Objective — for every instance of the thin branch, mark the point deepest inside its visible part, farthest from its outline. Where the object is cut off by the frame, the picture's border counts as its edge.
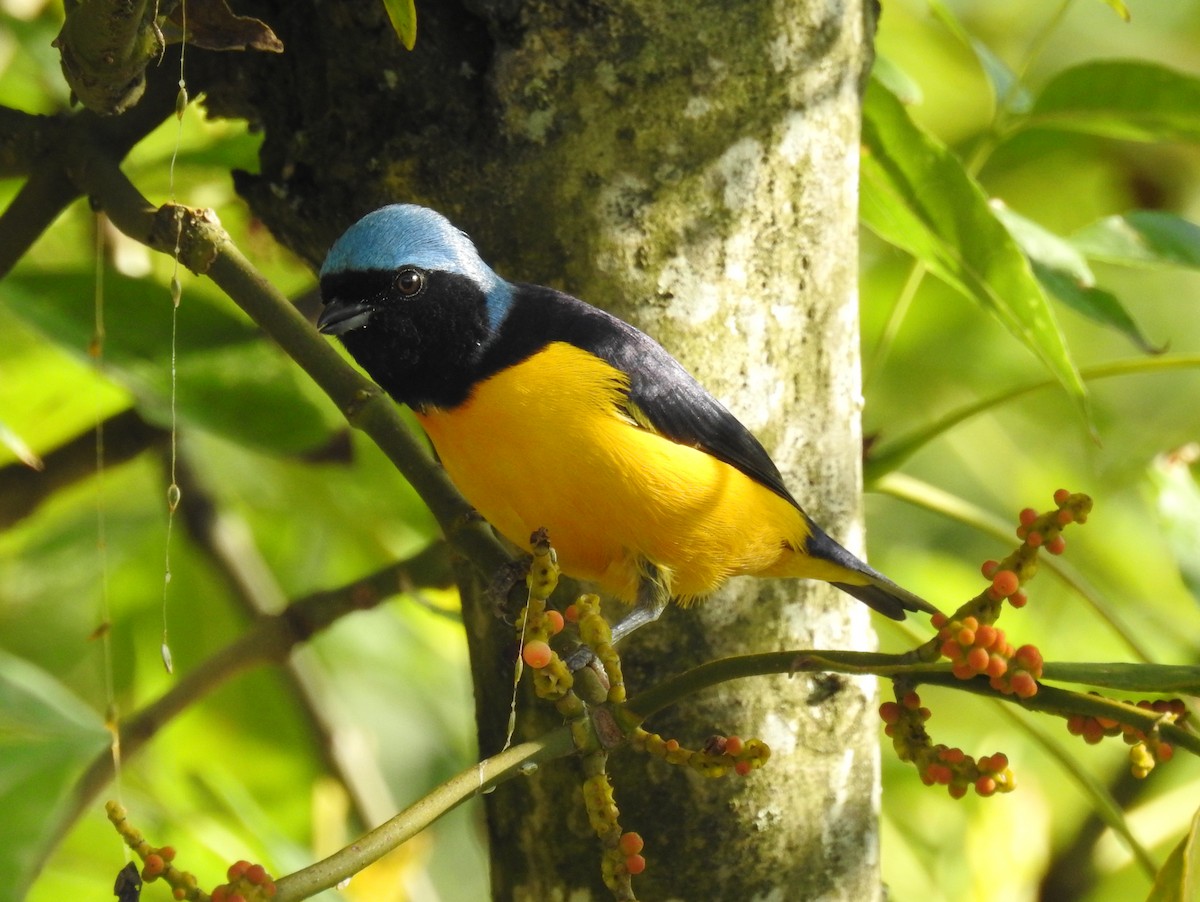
(518, 760)
(125, 436)
(269, 639)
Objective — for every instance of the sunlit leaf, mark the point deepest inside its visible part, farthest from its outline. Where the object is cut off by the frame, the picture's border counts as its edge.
(1177, 497)
(1006, 88)
(897, 80)
(1119, 7)
(228, 379)
(1142, 238)
(47, 734)
(1131, 100)
(1179, 879)
(403, 15)
(916, 195)
(1065, 273)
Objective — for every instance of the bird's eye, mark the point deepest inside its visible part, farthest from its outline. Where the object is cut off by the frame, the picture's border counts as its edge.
(409, 282)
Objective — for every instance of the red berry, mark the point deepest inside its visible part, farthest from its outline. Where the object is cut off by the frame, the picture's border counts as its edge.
(1061, 497)
(153, 866)
(1034, 539)
(957, 790)
(554, 622)
(671, 745)
(938, 620)
(167, 852)
(572, 613)
(889, 712)
(635, 864)
(220, 894)
(630, 843)
(537, 654)
(1065, 516)
(1018, 599)
(237, 869)
(1028, 516)
(1024, 685)
(985, 786)
(1005, 582)
(734, 746)
(999, 762)
(1030, 658)
(989, 569)
(996, 666)
(742, 768)
(1056, 545)
(235, 897)
(978, 659)
(1165, 752)
(963, 671)
(256, 874)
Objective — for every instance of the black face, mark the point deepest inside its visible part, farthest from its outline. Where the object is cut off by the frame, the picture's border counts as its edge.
(423, 334)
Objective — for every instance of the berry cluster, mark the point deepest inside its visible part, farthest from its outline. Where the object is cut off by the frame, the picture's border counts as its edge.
(976, 649)
(247, 883)
(1146, 750)
(939, 764)
(156, 861)
(720, 755)
(622, 857)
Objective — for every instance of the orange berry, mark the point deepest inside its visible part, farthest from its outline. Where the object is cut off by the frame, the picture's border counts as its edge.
(1005, 582)
(985, 786)
(889, 712)
(1028, 516)
(999, 762)
(572, 613)
(1065, 516)
(554, 622)
(741, 768)
(1033, 539)
(1018, 599)
(963, 671)
(220, 894)
(1164, 752)
(938, 620)
(911, 700)
(996, 666)
(235, 897)
(671, 745)
(986, 635)
(925, 713)
(734, 746)
(179, 893)
(167, 852)
(1024, 685)
(957, 790)
(153, 866)
(537, 654)
(953, 756)
(978, 659)
(1061, 497)
(256, 874)
(989, 568)
(630, 843)
(635, 864)
(237, 869)
(966, 637)
(952, 650)
(1030, 658)
(1056, 545)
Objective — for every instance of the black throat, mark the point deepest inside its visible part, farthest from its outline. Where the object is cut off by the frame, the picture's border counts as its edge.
(423, 350)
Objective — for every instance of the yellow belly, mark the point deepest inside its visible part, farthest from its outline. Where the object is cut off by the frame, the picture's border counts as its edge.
(542, 444)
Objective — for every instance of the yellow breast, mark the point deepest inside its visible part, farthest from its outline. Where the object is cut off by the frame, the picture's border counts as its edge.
(544, 444)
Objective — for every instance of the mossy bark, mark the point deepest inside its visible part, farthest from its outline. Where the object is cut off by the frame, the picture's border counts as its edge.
(691, 166)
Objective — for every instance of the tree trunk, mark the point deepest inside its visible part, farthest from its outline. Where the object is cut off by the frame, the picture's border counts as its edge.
(691, 166)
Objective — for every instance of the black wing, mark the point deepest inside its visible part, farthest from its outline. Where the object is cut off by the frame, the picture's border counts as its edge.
(663, 396)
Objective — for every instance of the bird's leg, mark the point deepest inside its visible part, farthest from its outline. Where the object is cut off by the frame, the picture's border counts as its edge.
(651, 601)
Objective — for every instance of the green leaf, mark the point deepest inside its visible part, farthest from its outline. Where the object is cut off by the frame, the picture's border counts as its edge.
(1119, 7)
(916, 195)
(1006, 87)
(1064, 272)
(229, 380)
(1177, 499)
(906, 88)
(1132, 101)
(1142, 238)
(47, 735)
(1179, 879)
(403, 14)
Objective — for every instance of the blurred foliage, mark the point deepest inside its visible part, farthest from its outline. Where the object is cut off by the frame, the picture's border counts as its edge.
(1042, 176)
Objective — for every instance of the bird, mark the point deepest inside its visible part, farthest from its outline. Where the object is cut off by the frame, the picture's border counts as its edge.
(551, 414)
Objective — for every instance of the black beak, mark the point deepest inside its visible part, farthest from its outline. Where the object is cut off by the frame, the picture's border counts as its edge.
(340, 316)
